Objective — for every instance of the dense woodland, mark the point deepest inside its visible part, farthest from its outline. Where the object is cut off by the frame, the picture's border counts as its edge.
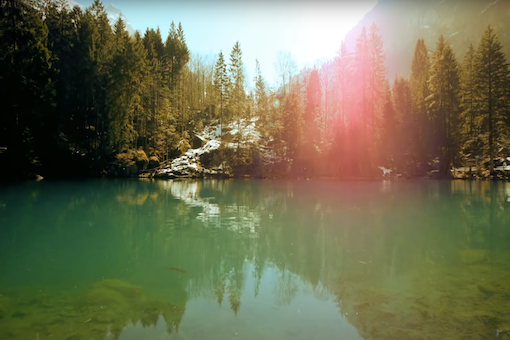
(81, 97)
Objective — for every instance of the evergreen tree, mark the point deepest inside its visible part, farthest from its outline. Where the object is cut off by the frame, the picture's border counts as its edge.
(312, 120)
(261, 100)
(292, 111)
(101, 46)
(221, 86)
(344, 73)
(492, 88)
(120, 128)
(237, 81)
(443, 104)
(313, 117)
(25, 89)
(388, 127)
(470, 120)
(362, 72)
(419, 92)
(237, 94)
(175, 59)
(137, 61)
(327, 80)
(160, 135)
(362, 97)
(406, 125)
(378, 94)
(344, 69)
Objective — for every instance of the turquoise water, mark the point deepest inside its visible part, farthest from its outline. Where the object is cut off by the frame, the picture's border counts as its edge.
(236, 259)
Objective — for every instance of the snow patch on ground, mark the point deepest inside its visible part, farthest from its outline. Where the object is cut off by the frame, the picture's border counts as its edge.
(189, 164)
(246, 128)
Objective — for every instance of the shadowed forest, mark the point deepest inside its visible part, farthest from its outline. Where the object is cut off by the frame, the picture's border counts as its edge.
(82, 97)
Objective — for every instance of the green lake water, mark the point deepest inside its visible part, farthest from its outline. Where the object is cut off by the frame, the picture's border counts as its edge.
(251, 260)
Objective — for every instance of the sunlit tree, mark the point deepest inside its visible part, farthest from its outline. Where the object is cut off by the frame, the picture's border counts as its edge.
(443, 105)
(493, 90)
(419, 92)
(221, 86)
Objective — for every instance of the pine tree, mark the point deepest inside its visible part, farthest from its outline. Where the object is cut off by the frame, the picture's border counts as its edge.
(175, 59)
(344, 73)
(470, 120)
(419, 91)
(292, 112)
(238, 95)
(362, 71)
(159, 129)
(313, 117)
(443, 104)
(404, 116)
(378, 92)
(388, 127)
(237, 80)
(344, 100)
(221, 86)
(102, 47)
(362, 119)
(261, 100)
(120, 128)
(25, 89)
(137, 61)
(492, 87)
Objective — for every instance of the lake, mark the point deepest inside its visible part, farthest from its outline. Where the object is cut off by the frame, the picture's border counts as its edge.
(251, 260)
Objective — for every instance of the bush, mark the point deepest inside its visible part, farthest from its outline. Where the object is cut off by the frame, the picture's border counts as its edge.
(153, 162)
(184, 146)
(140, 159)
(124, 160)
(132, 161)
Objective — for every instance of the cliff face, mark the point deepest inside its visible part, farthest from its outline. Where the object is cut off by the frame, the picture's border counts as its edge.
(402, 22)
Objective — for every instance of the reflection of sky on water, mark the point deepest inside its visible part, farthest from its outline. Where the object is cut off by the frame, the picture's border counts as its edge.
(385, 249)
(302, 316)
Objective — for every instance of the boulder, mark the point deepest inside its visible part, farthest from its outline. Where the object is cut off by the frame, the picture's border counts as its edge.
(198, 142)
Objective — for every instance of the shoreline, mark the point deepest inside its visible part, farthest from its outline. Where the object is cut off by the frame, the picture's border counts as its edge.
(144, 176)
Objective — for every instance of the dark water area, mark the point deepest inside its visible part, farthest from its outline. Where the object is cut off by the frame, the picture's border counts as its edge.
(248, 259)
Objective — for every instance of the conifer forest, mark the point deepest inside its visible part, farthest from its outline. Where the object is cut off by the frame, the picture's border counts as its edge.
(81, 97)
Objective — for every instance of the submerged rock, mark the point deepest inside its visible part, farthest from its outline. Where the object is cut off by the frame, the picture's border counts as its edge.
(473, 256)
(112, 292)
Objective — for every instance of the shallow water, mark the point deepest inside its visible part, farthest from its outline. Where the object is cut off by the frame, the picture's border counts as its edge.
(234, 259)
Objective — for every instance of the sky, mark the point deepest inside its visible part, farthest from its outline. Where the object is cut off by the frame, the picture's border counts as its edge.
(310, 31)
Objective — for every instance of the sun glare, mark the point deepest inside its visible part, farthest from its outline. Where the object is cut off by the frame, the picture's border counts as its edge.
(323, 27)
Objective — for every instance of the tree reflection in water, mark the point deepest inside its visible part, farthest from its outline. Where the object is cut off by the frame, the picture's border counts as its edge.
(401, 259)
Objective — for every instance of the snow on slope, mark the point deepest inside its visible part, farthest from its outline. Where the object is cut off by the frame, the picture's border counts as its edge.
(189, 163)
(114, 13)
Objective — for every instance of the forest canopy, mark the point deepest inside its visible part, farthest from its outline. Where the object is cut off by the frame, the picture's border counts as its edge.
(83, 97)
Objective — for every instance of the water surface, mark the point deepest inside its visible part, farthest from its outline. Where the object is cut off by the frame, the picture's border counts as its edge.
(233, 259)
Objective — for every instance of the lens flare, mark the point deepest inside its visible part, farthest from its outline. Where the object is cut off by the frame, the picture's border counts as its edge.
(276, 103)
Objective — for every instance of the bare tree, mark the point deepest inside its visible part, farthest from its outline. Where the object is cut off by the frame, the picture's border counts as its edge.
(285, 66)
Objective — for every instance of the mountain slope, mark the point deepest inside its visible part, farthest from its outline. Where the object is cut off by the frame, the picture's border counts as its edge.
(112, 12)
(402, 22)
